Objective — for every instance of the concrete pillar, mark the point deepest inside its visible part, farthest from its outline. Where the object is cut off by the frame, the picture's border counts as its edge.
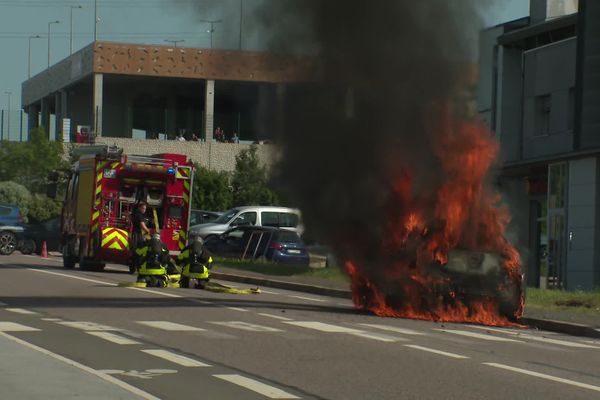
(45, 120)
(58, 113)
(209, 110)
(97, 108)
(64, 111)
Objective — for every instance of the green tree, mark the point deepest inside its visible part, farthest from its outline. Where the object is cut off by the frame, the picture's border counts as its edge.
(211, 190)
(30, 163)
(249, 181)
(42, 208)
(14, 193)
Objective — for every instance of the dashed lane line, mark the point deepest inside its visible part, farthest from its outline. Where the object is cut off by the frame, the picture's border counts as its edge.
(175, 358)
(21, 311)
(114, 338)
(52, 319)
(155, 292)
(275, 317)
(14, 327)
(440, 352)
(170, 326)
(88, 326)
(245, 326)
(308, 298)
(73, 363)
(73, 277)
(323, 327)
(268, 391)
(237, 309)
(268, 292)
(544, 376)
(560, 342)
(379, 336)
(403, 331)
(478, 335)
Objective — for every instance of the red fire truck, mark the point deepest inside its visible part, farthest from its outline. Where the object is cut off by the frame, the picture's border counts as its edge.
(103, 188)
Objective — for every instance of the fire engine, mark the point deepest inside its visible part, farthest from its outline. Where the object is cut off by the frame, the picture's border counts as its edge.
(103, 188)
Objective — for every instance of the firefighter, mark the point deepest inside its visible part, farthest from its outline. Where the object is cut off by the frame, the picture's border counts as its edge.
(195, 262)
(139, 232)
(156, 264)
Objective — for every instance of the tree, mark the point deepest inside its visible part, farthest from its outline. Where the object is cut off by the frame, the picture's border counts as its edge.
(249, 181)
(14, 193)
(30, 163)
(211, 190)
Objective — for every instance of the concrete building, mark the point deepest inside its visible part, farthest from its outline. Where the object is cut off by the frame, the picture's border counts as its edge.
(540, 93)
(133, 91)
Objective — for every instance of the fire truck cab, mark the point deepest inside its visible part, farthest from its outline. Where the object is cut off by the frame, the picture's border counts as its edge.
(103, 188)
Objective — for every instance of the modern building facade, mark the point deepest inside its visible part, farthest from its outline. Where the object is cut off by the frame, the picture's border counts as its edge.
(540, 94)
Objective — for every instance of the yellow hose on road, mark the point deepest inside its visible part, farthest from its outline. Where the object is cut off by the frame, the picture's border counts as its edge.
(173, 282)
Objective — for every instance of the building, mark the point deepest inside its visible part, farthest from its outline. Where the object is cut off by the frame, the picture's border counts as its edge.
(540, 93)
(128, 93)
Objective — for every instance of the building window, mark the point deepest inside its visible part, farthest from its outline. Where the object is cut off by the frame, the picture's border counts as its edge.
(571, 108)
(543, 107)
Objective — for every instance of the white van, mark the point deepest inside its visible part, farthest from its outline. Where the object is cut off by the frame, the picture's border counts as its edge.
(279, 217)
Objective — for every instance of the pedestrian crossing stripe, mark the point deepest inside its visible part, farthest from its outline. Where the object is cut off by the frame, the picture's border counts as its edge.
(245, 326)
(169, 326)
(6, 326)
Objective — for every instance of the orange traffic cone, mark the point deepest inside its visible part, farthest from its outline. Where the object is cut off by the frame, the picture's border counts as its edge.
(44, 250)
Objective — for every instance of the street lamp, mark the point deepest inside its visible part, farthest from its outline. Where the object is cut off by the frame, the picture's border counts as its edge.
(212, 28)
(241, 20)
(174, 41)
(49, 25)
(29, 55)
(8, 93)
(71, 31)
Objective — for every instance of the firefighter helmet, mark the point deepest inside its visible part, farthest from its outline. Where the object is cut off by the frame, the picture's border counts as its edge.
(198, 245)
(155, 243)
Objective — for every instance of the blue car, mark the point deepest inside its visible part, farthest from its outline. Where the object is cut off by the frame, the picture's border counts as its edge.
(255, 242)
(11, 228)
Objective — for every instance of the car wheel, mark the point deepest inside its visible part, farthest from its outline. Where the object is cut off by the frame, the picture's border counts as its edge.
(28, 247)
(8, 243)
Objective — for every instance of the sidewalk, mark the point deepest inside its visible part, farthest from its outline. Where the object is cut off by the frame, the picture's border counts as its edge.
(572, 323)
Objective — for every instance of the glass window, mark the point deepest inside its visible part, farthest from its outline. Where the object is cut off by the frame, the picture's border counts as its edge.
(288, 220)
(557, 185)
(279, 219)
(235, 234)
(225, 218)
(247, 218)
(269, 218)
(543, 108)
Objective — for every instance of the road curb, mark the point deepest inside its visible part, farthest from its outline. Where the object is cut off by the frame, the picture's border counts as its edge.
(569, 328)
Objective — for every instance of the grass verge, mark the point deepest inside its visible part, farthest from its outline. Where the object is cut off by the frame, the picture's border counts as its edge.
(559, 300)
(268, 268)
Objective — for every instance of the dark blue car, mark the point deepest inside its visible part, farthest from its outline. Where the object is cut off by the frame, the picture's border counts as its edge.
(11, 228)
(252, 242)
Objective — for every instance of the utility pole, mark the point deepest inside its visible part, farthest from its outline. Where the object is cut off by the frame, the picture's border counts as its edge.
(241, 21)
(71, 31)
(95, 20)
(174, 41)
(212, 28)
(50, 24)
(29, 55)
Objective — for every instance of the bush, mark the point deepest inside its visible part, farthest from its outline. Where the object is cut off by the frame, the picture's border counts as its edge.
(43, 208)
(14, 193)
(249, 181)
(211, 190)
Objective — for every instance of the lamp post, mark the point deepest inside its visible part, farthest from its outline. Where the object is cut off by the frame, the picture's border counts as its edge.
(8, 93)
(71, 30)
(29, 55)
(49, 25)
(174, 41)
(212, 28)
(241, 20)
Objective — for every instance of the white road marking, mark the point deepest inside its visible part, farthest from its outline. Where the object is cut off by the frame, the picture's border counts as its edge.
(237, 309)
(73, 277)
(200, 301)
(170, 326)
(275, 316)
(308, 298)
(88, 326)
(379, 336)
(245, 326)
(256, 386)
(52, 319)
(268, 292)
(544, 339)
(478, 335)
(111, 337)
(21, 311)
(106, 377)
(544, 376)
(395, 329)
(320, 326)
(14, 327)
(155, 292)
(442, 353)
(175, 358)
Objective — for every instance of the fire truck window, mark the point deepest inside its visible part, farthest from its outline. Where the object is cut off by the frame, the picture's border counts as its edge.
(176, 213)
(154, 196)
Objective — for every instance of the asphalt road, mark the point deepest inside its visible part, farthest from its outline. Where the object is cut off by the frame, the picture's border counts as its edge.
(183, 344)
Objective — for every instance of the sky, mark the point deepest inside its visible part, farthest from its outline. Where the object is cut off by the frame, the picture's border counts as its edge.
(136, 21)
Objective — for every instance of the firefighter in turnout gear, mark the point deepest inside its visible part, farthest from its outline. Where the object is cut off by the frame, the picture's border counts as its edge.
(156, 265)
(195, 262)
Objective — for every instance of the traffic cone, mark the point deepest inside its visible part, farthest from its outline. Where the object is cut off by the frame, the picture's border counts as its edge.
(44, 250)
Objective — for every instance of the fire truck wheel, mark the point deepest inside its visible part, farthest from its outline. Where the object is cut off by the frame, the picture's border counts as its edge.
(68, 250)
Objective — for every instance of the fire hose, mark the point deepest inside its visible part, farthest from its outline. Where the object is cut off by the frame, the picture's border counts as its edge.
(172, 281)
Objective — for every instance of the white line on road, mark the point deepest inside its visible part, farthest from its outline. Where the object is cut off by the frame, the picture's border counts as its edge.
(442, 353)
(268, 292)
(478, 335)
(544, 339)
(52, 319)
(73, 277)
(320, 326)
(14, 327)
(155, 292)
(175, 358)
(88, 326)
(237, 309)
(108, 378)
(379, 336)
(170, 326)
(395, 329)
(21, 311)
(256, 386)
(544, 376)
(275, 316)
(308, 298)
(111, 337)
(245, 326)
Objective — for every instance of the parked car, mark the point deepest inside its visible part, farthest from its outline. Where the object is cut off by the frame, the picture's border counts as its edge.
(248, 242)
(11, 228)
(198, 217)
(278, 217)
(36, 234)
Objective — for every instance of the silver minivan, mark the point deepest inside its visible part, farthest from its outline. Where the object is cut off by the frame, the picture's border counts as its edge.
(280, 217)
